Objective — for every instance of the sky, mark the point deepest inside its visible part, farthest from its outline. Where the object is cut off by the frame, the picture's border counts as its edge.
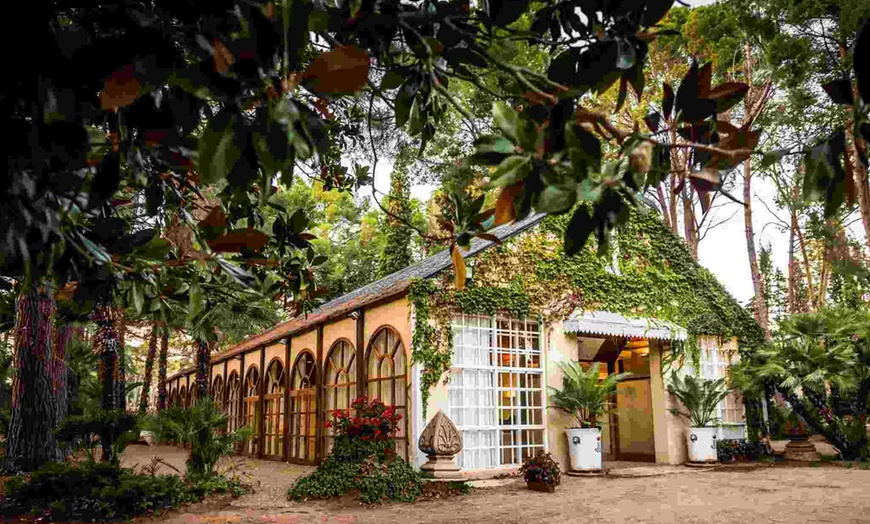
(723, 251)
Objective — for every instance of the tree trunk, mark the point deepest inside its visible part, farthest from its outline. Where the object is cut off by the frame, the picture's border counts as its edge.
(121, 379)
(853, 161)
(792, 306)
(108, 345)
(689, 225)
(203, 361)
(149, 370)
(161, 369)
(60, 370)
(30, 440)
(760, 302)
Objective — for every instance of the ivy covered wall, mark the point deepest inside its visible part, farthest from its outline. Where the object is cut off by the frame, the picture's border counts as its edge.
(649, 274)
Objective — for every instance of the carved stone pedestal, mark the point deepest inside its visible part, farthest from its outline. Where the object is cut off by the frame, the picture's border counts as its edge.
(801, 450)
(441, 441)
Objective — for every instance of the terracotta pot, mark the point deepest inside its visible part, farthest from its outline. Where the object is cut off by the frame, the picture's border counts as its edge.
(541, 486)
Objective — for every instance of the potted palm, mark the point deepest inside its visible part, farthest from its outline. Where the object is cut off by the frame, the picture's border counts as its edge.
(584, 396)
(700, 397)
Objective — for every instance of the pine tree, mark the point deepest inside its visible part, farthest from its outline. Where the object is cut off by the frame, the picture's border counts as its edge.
(397, 251)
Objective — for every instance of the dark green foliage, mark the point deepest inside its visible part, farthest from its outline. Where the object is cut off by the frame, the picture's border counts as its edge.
(101, 492)
(739, 450)
(80, 431)
(397, 250)
(820, 364)
(367, 468)
(699, 396)
(203, 426)
(541, 468)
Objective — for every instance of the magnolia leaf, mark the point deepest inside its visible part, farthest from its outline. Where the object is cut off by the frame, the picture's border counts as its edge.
(120, 90)
(667, 100)
(223, 58)
(489, 236)
(578, 231)
(707, 179)
(512, 170)
(238, 239)
(459, 266)
(343, 70)
(506, 119)
(727, 95)
(840, 91)
(652, 121)
(505, 212)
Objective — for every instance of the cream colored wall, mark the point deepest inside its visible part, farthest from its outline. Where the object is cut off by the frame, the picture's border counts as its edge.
(275, 351)
(252, 359)
(396, 314)
(670, 430)
(217, 370)
(234, 364)
(344, 328)
(305, 341)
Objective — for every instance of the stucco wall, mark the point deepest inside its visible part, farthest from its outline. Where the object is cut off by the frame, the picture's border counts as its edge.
(396, 314)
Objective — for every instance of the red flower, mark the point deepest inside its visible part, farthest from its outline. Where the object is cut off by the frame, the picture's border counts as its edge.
(328, 423)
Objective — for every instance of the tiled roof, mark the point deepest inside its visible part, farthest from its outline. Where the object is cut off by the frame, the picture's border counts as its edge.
(389, 286)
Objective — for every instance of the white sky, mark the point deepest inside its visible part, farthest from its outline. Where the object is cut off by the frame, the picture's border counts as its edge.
(723, 250)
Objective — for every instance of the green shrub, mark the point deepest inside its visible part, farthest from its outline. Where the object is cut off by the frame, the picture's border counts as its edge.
(361, 461)
(99, 492)
(734, 450)
(203, 426)
(80, 431)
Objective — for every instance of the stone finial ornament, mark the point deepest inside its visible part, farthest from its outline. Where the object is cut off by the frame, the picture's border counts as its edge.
(440, 441)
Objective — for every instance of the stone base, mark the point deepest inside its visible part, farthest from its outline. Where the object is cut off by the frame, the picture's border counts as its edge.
(591, 473)
(442, 467)
(801, 451)
(703, 464)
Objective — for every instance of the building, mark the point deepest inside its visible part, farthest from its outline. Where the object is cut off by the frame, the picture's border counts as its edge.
(649, 309)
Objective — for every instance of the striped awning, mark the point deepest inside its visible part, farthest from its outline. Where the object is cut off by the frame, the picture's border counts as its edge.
(616, 325)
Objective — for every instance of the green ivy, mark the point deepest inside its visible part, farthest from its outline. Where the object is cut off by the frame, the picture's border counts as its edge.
(655, 276)
(424, 348)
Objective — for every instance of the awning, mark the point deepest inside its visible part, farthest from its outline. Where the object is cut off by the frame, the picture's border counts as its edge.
(616, 325)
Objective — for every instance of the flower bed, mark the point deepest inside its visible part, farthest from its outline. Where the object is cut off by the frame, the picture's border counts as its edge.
(363, 460)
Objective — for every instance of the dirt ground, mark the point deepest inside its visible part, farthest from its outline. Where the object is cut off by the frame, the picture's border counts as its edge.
(760, 495)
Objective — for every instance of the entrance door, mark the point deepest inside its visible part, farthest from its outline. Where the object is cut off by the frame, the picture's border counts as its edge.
(634, 427)
(635, 420)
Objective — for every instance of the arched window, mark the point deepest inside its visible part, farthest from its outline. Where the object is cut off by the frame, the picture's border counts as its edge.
(173, 398)
(182, 396)
(233, 395)
(339, 383)
(217, 391)
(303, 409)
(388, 379)
(274, 405)
(252, 400)
(192, 394)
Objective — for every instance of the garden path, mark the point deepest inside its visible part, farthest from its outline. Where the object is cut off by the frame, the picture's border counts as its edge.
(759, 495)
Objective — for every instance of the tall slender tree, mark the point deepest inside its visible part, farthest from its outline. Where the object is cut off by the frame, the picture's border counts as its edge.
(149, 369)
(397, 251)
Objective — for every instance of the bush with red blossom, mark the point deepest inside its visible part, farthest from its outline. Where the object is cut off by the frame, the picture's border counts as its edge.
(363, 458)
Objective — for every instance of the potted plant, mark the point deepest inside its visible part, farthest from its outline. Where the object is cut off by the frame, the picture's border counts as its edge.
(700, 397)
(541, 472)
(584, 396)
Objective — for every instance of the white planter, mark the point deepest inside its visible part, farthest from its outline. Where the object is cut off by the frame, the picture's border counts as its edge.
(584, 447)
(702, 445)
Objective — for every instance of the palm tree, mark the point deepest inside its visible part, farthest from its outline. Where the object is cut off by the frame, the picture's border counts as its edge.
(699, 396)
(584, 395)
